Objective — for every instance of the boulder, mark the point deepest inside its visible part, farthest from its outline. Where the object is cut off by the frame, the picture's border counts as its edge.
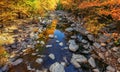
(56, 67)
(73, 46)
(77, 59)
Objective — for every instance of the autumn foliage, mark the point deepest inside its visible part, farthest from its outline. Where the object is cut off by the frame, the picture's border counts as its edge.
(96, 7)
(19, 9)
(95, 12)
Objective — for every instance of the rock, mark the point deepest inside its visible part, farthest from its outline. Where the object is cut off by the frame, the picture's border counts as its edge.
(118, 60)
(18, 61)
(81, 30)
(76, 64)
(86, 46)
(39, 60)
(5, 68)
(42, 42)
(79, 37)
(103, 44)
(51, 36)
(96, 70)
(55, 36)
(52, 56)
(91, 61)
(63, 63)
(103, 38)
(29, 68)
(101, 55)
(65, 47)
(91, 37)
(77, 59)
(13, 46)
(110, 68)
(56, 67)
(69, 29)
(84, 41)
(57, 41)
(96, 45)
(115, 49)
(61, 43)
(29, 46)
(37, 41)
(72, 46)
(74, 37)
(31, 34)
(48, 46)
(34, 54)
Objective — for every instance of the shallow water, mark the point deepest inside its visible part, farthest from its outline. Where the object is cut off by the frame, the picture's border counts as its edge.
(61, 54)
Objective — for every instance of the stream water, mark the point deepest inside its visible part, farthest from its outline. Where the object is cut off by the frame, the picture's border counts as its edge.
(61, 53)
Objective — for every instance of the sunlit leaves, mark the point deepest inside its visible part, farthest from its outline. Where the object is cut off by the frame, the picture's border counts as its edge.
(13, 9)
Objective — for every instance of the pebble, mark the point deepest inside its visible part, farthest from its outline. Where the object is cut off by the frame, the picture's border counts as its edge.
(101, 55)
(74, 37)
(57, 41)
(84, 41)
(39, 60)
(61, 43)
(42, 42)
(91, 61)
(96, 70)
(52, 56)
(115, 49)
(91, 37)
(96, 45)
(29, 68)
(55, 36)
(18, 61)
(48, 46)
(51, 36)
(63, 63)
(34, 54)
(69, 29)
(103, 44)
(118, 60)
(110, 68)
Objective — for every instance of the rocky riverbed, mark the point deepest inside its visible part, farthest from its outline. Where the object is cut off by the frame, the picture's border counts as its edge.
(64, 47)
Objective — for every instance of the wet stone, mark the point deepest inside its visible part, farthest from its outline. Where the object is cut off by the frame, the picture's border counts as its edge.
(56, 67)
(52, 56)
(61, 43)
(48, 46)
(51, 36)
